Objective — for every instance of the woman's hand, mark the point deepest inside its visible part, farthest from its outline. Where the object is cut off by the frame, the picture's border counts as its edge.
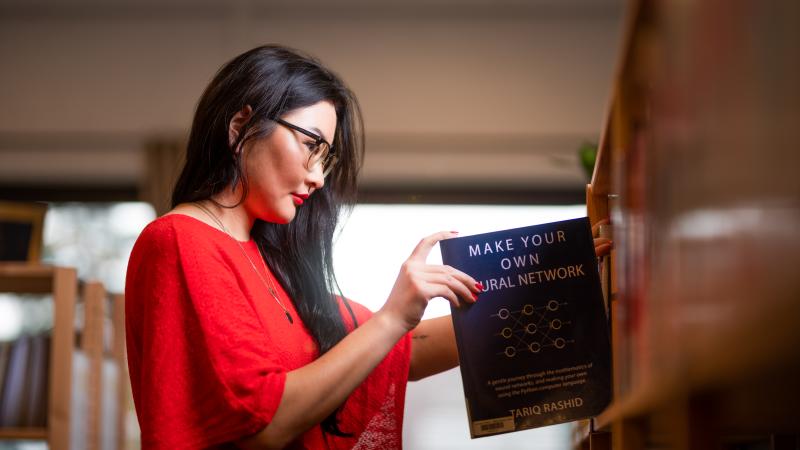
(418, 282)
(602, 245)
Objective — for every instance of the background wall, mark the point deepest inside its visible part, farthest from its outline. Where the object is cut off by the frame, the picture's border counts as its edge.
(456, 94)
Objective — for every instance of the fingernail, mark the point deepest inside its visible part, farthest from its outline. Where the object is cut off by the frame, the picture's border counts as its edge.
(479, 286)
(475, 297)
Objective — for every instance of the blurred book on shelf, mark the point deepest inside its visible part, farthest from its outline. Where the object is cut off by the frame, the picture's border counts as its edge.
(23, 398)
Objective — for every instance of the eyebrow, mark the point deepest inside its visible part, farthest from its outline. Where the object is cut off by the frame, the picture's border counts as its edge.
(319, 133)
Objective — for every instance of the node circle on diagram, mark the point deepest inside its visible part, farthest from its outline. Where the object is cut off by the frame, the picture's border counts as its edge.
(532, 329)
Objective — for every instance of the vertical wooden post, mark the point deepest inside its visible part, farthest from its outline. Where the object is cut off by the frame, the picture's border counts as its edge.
(118, 319)
(627, 434)
(703, 423)
(94, 298)
(65, 291)
(599, 440)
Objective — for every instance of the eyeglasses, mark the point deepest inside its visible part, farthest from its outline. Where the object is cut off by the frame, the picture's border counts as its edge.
(321, 152)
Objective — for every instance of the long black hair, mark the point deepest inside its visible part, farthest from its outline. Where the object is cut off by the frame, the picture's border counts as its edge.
(274, 80)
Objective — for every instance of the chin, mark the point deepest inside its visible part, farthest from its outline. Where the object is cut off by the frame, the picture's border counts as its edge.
(286, 217)
(280, 217)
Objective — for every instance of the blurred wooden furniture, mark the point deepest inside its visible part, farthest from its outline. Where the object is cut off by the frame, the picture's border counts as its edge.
(92, 345)
(87, 406)
(62, 283)
(698, 171)
(118, 355)
(21, 230)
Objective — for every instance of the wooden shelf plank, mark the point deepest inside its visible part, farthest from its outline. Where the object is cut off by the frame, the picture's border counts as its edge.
(36, 433)
(26, 278)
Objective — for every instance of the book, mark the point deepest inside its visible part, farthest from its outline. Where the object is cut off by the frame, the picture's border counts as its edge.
(534, 349)
(38, 389)
(5, 353)
(13, 405)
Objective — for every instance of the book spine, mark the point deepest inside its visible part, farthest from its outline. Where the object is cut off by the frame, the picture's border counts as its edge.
(12, 409)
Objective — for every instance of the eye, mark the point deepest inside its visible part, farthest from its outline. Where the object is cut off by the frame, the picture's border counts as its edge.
(312, 146)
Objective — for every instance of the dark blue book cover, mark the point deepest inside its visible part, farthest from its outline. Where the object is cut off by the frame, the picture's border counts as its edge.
(534, 349)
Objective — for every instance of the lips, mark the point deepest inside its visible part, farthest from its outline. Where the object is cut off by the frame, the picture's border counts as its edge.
(299, 199)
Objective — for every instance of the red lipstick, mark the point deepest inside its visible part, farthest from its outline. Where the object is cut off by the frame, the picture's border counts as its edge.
(299, 199)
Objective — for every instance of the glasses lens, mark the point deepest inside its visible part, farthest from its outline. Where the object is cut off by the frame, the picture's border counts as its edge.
(322, 155)
(328, 164)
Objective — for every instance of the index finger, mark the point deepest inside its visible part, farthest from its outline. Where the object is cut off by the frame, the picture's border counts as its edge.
(424, 247)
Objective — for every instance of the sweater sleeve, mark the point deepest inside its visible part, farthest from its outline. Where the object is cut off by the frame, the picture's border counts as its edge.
(198, 361)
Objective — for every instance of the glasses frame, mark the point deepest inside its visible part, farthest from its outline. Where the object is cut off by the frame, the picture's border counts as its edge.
(318, 140)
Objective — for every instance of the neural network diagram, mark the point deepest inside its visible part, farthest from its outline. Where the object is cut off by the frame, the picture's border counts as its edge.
(532, 328)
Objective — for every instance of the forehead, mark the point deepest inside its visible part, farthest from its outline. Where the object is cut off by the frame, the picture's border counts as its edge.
(318, 118)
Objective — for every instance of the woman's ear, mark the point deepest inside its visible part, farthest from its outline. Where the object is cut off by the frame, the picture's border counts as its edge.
(236, 124)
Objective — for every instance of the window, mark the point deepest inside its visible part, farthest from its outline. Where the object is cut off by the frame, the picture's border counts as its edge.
(373, 243)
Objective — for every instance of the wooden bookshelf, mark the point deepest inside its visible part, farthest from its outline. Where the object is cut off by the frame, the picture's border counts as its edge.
(697, 171)
(98, 341)
(62, 283)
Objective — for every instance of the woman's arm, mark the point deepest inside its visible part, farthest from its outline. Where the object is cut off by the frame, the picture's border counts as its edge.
(314, 391)
(433, 348)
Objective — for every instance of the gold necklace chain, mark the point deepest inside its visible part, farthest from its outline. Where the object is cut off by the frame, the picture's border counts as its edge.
(270, 287)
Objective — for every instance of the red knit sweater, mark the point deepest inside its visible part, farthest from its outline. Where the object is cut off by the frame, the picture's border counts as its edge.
(209, 348)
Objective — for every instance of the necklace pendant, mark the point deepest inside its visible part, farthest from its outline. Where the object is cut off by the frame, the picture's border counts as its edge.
(289, 317)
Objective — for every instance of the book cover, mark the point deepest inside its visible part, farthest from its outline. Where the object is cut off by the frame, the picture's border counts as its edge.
(534, 349)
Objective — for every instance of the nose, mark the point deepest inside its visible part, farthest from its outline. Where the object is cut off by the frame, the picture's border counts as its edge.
(316, 178)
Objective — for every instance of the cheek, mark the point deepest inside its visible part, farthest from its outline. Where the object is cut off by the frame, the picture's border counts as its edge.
(282, 151)
(273, 165)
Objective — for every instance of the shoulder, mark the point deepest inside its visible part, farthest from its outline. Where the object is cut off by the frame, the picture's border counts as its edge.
(175, 250)
(174, 234)
(166, 230)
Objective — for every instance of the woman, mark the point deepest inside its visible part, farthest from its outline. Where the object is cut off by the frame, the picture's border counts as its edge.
(234, 335)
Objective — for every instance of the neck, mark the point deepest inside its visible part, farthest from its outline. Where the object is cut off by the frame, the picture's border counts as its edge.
(237, 220)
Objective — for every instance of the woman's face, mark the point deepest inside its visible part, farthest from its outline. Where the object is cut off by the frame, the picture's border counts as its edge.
(278, 178)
